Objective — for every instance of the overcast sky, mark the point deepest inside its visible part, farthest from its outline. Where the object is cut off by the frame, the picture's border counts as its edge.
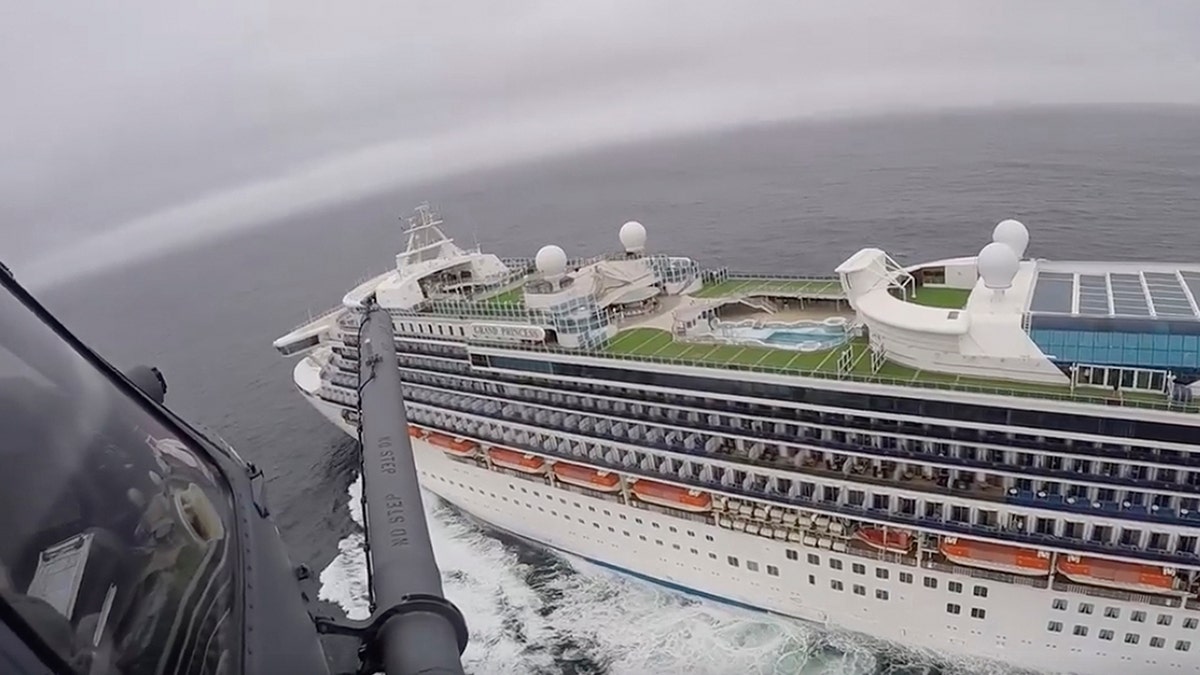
(130, 126)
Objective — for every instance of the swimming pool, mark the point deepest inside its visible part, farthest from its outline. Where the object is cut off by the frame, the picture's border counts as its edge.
(807, 336)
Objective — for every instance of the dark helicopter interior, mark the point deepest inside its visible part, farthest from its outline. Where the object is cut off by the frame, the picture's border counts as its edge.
(116, 549)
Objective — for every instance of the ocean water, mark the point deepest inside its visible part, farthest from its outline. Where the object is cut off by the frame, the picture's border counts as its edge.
(799, 197)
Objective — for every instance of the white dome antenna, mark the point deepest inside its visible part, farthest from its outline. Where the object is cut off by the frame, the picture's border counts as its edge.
(1014, 234)
(551, 261)
(997, 264)
(633, 237)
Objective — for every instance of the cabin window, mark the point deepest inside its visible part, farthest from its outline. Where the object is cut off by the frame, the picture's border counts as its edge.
(1157, 642)
(930, 582)
(954, 587)
(813, 558)
(1164, 619)
(751, 565)
(672, 529)
(881, 594)
(1054, 626)
(1081, 631)
(906, 577)
(858, 569)
(981, 591)
(713, 556)
(792, 555)
(694, 551)
(812, 580)
(1138, 617)
(978, 613)
(1131, 638)
(1190, 623)
(1106, 634)
(835, 584)
(1085, 608)
(733, 561)
(881, 573)
(1182, 645)
(953, 608)
(772, 570)
(1059, 603)
(834, 563)
(860, 590)
(1112, 613)
(658, 541)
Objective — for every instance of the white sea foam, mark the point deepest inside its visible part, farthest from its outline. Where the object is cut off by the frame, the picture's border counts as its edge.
(529, 623)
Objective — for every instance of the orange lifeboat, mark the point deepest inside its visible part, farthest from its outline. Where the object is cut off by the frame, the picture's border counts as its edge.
(671, 496)
(458, 447)
(893, 541)
(586, 477)
(1121, 575)
(415, 431)
(517, 461)
(1027, 562)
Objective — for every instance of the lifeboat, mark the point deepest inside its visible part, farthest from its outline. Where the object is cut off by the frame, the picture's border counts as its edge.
(893, 541)
(1120, 575)
(517, 461)
(585, 477)
(415, 431)
(458, 447)
(671, 496)
(1027, 562)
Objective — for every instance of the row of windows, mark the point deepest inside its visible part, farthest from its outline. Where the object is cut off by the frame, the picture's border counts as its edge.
(1136, 616)
(923, 406)
(976, 612)
(1130, 638)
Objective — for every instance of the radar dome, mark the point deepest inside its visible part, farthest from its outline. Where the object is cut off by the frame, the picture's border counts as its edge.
(551, 261)
(1014, 234)
(633, 237)
(997, 265)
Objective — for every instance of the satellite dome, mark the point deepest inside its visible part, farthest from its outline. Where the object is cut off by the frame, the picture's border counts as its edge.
(1013, 233)
(633, 237)
(551, 261)
(997, 265)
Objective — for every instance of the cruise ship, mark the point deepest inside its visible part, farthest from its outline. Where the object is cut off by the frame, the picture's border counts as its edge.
(993, 456)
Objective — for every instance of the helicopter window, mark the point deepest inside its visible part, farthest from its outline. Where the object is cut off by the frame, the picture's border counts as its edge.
(117, 547)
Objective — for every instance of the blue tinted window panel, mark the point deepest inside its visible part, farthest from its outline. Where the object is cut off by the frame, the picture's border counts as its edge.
(1053, 293)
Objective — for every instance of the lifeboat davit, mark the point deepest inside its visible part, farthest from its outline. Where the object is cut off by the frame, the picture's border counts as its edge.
(1027, 562)
(1120, 575)
(671, 496)
(585, 477)
(451, 445)
(517, 461)
(893, 541)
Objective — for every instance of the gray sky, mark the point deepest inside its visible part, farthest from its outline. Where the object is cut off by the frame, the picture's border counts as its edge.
(128, 127)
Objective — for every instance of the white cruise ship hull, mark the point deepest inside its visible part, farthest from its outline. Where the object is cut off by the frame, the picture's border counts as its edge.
(1004, 622)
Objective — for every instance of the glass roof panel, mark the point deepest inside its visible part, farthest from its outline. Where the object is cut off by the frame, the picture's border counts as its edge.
(1093, 294)
(1127, 295)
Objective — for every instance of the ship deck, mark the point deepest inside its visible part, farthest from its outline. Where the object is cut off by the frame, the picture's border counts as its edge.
(653, 344)
(822, 287)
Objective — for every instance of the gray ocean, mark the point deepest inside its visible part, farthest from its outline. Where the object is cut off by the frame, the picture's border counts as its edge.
(797, 197)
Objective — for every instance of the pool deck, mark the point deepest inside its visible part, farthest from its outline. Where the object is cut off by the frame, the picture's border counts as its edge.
(654, 344)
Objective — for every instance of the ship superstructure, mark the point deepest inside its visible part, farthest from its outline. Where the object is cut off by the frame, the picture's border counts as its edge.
(991, 456)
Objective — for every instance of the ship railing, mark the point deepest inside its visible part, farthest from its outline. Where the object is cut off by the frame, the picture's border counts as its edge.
(972, 489)
(936, 524)
(883, 556)
(990, 575)
(734, 275)
(1005, 391)
(588, 493)
(317, 317)
(1099, 452)
(1114, 594)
